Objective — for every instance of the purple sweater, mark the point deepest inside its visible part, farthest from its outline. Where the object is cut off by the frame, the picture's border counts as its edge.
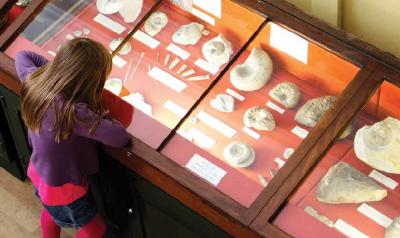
(76, 157)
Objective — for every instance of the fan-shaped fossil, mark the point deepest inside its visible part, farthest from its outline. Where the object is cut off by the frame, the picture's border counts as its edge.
(155, 23)
(259, 118)
(344, 184)
(287, 94)
(189, 34)
(239, 154)
(130, 10)
(126, 48)
(108, 6)
(223, 103)
(379, 145)
(393, 231)
(114, 85)
(217, 51)
(254, 73)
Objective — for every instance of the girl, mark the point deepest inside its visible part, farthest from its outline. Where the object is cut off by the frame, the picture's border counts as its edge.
(62, 110)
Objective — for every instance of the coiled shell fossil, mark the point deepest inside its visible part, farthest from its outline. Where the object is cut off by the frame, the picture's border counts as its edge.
(379, 145)
(310, 113)
(155, 23)
(393, 231)
(286, 93)
(114, 85)
(189, 34)
(254, 73)
(223, 103)
(217, 51)
(239, 155)
(259, 118)
(125, 49)
(345, 184)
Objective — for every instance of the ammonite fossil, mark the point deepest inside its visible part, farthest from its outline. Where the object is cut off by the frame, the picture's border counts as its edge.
(288, 94)
(126, 48)
(393, 231)
(239, 155)
(189, 34)
(217, 51)
(254, 73)
(223, 103)
(259, 118)
(379, 145)
(155, 23)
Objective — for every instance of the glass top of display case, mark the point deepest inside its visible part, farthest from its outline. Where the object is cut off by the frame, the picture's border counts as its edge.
(354, 194)
(245, 129)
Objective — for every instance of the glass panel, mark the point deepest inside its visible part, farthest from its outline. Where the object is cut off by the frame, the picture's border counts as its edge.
(357, 193)
(202, 142)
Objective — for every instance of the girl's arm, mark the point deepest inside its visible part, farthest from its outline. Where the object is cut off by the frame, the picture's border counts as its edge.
(108, 132)
(26, 62)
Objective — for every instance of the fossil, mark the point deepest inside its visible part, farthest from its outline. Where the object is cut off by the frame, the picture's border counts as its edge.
(254, 73)
(166, 59)
(345, 184)
(86, 31)
(312, 212)
(263, 180)
(188, 73)
(174, 63)
(287, 94)
(239, 155)
(114, 85)
(217, 51)
(288, 152)
(109, 6)
(223, 103)
(130, 10)
(200, 77)
(155, 23)
(182, 68)
(189, 34)
(379, 145)
(23, 3)
(125, 49)
(259, 118)
(393, 231)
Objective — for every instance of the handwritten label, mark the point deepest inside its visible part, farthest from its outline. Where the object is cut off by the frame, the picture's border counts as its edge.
(109, 24)
(251, 133)
(275, 107)
(375, 215)
(383, 179)
(235, 94)
(300, 132)
(167, 79)
(146, 39)
(207, 66)
(205, 169)
(178, 51)
(216, 124)
(348, 230)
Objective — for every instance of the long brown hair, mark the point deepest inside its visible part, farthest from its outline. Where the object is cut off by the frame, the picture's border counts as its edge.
(77, 74)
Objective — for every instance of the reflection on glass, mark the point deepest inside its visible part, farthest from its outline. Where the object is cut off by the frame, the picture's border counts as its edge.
(258, 113)
(354, 194)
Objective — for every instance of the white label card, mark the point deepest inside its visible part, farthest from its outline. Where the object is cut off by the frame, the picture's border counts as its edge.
(216, 124)
(235, 94)
(175, 108)
(205, 65)
(146, 39)
(167, 79)
(211, 6)
(251, 133)
(300, 132)
(201, 139)
(178, 51)
(109, 24)
(383, 179)
(348, 230)
(203, 16)
(205, 169)
(275, 107)
(118, 61)
(375, 215)
(280, 162)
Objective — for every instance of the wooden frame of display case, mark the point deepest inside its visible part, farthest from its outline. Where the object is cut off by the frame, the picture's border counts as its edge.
(375, 66)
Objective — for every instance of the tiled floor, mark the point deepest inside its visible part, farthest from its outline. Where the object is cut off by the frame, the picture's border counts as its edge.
(20, 209)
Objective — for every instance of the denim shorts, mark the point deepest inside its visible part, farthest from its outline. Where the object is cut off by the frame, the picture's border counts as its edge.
(74, 215)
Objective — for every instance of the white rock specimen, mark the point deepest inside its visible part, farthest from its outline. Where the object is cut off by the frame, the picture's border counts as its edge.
(379, 145)
(254, 73)
(155, 23)
(217, 51)
(310, 113)
(239, 155)
(189, 34)
(114, 85)
(393, 231)
(345, 184)
(223, 103)
(288, 94)
(126, 48)
(108, 6)
(130, 10)
(259, 118)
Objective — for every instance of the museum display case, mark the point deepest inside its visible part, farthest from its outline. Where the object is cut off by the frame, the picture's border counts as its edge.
(237, 109)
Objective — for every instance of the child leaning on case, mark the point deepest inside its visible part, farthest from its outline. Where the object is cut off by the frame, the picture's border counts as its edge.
(62, 110)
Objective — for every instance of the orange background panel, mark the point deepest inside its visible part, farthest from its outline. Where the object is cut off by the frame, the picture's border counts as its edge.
(389, 103)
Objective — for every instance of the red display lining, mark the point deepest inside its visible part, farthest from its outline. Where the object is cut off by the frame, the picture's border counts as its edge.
(305, 196)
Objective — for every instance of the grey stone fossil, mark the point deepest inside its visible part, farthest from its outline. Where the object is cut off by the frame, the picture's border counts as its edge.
(217, 51)
(189, 34)
(155, 23)
(259, 118)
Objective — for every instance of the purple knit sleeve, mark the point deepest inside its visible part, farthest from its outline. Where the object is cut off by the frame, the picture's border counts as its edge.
(108, 132)
(27, 62)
